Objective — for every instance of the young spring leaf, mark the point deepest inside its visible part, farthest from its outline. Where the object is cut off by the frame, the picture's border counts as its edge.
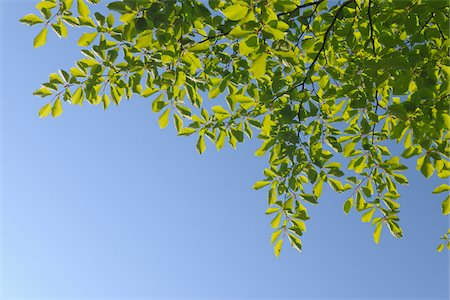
(87, 38)
(41, 38)
(45, 110)
(57, 108)
(83, 9)
(235, 12)
(277, 247)
(31, 19)
(163, 120)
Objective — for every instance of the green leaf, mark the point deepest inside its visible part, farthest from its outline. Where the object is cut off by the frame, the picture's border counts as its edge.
(446, 206)
(42, 92)
(31, 19)
(235, 12)
(276, 220)
(249, 44)
(221, 140)
(214, 92)
(87, 38)
(186, 131)
(46, 5)
(77, 97)
(67, 4)
(412, 151)
(272, 210)
(317, 190)
(348, 205)
(335, 184)
(427, 167)
(220, 112)
(144, 40)
(260, 184)
(159, 103)
(76, 72)
(395, 230)
(377, 232)
(258, 68)
(400, 178)
(442, 188)
(83, 9)
(178, 122)
(105, 101)
(57, 108)
(324, 82)
(277, 248)
(201, 146)
(275, 235)
(348, 149)
(295, 242)
(368, 215)
(45, 110)
(41, 38)
(163, 120)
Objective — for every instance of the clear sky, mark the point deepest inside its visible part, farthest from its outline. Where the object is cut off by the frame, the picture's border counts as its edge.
(105, 205)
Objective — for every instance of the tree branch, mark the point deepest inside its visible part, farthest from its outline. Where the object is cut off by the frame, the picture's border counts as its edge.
(371, 28)
(325, 38)
(300, 7)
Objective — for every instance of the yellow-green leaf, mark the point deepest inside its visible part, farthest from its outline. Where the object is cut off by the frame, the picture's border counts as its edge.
(214, 92)
(275, 236)
(144, 40)
(178, 122)
(276, 221)
(277, 248)
(377, 232)
(235, 12)
(31, 19)
(260, 184)
(77, 97)
(442, 188)
(446, 206)
(105, 101)
(83, 9)
(258, 68)
(41, 38)
(57, 108)
(317, 190)
(427, 168)
(221, 140)
(163, 120)
(272, 210)
(45, 110)
(368, 215)
(220, 112)
(201, 146)
(87, 38)
(348, 205)
(295, 242)
(158, 104)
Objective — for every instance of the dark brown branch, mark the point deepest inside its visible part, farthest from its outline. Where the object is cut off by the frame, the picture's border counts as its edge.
(376, 110)
(371, 28)
(300, 7)
(426, 23)
(307, 25)
(325, 38)
(439, 28)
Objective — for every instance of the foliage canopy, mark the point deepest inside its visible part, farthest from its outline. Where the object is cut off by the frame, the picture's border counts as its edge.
(320, 84)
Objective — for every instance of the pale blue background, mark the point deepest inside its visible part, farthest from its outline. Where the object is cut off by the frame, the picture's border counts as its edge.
(105, 205)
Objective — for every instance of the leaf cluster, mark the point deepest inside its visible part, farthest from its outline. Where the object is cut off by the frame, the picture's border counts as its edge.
(329, 89)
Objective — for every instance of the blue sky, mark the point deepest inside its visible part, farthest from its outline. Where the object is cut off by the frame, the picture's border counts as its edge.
(105, 205)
